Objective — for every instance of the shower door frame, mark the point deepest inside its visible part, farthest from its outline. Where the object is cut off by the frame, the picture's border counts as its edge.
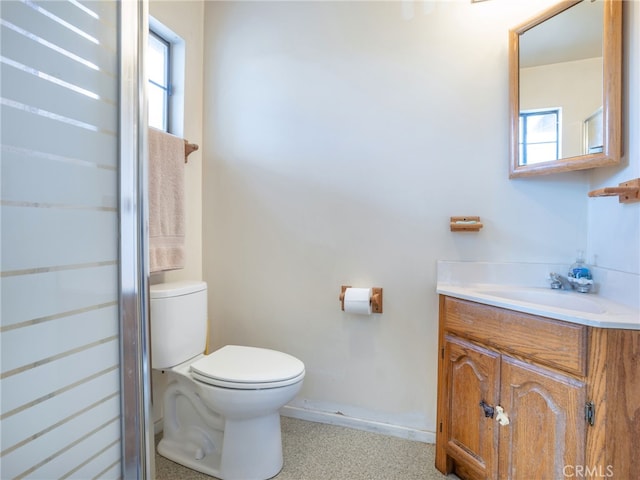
(137, 437)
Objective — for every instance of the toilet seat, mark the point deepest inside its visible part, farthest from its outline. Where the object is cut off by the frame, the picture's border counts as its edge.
(248, 368)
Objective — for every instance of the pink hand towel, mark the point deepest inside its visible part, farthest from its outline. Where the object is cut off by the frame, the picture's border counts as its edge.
(166, 201)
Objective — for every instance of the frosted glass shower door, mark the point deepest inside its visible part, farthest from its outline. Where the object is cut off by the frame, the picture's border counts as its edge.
(60, 259)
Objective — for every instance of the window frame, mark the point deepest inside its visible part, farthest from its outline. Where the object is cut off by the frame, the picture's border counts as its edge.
(167, 88)
(524, 116)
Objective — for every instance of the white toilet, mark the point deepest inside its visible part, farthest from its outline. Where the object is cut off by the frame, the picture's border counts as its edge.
(221, 411)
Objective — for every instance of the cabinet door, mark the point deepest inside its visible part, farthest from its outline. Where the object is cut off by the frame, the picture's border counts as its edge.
(472, 377)
(546, 432)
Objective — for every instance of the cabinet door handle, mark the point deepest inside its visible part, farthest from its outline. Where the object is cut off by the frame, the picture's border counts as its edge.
(501, 417)
(488, 409)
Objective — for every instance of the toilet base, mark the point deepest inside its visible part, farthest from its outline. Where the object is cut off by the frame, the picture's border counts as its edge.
(254, 449)
(244, 443)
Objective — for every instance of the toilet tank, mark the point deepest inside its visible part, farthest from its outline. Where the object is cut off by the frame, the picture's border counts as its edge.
(178, 322)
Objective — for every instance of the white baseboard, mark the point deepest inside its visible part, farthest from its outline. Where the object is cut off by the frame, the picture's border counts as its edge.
(358, 424)
(345, 421)
(158, 426)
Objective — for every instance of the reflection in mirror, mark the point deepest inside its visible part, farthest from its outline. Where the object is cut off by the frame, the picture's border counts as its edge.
(560, 82)
(565, 69)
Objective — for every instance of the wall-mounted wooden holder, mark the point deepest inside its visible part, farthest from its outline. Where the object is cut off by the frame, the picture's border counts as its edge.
(376, 298)
(465, 224)
(189, 148)
(627, 192)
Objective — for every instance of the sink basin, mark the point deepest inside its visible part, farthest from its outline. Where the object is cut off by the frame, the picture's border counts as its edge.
(578, 302)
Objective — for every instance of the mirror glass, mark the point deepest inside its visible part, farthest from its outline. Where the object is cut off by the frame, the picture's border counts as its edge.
(565, 69)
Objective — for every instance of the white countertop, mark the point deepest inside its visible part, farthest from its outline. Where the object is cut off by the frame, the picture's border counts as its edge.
(525, 288)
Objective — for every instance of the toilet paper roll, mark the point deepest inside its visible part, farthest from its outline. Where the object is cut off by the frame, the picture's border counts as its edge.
(358, 301)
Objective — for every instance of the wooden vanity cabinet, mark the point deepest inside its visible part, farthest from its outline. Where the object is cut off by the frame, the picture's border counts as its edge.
(552, 379)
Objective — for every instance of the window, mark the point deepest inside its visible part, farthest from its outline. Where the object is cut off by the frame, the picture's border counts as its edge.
(166, 55)
(159, 91)
(539, 136)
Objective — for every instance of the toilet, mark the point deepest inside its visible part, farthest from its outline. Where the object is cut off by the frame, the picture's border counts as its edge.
(221, 411)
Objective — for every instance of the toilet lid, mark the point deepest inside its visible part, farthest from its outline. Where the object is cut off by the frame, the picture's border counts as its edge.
(241, 367)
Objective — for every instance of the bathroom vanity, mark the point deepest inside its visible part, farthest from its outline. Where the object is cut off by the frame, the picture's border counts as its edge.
(525, 395)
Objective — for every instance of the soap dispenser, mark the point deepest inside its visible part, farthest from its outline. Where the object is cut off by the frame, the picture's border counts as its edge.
(580, 274)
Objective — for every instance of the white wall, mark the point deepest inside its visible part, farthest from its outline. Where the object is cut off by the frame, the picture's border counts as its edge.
(614, 229)
(339, 138)
(185, 19)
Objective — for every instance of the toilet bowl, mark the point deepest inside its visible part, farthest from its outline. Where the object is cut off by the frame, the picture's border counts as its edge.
(221, 410)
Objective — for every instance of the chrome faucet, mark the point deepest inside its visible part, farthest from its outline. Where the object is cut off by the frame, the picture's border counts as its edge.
(558, 281)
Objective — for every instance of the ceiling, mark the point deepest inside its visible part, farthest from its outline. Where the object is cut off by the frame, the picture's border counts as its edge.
(573, 34)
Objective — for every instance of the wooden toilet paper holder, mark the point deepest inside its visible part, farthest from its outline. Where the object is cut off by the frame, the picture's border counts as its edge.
(376, 298)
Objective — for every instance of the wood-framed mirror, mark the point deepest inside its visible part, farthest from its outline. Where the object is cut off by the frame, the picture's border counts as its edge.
(565, 76)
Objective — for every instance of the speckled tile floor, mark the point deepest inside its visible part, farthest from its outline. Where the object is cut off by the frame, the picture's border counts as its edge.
(315, 451)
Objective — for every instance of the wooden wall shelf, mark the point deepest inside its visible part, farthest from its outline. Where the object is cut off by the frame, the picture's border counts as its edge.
(465, 224)
(627, 192)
